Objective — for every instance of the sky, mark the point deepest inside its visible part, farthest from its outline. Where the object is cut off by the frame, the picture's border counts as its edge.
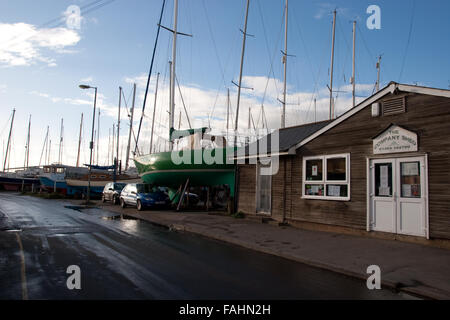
(44, 56)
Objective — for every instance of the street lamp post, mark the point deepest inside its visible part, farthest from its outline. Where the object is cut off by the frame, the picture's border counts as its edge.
(91, 144)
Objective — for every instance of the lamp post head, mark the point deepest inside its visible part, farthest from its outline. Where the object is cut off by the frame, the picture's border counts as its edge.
(83, 86)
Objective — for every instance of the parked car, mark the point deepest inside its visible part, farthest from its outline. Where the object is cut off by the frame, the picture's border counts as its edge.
(143, 196)
(111, 192)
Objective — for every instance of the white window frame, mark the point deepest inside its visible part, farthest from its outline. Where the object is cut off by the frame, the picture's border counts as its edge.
(324, 180)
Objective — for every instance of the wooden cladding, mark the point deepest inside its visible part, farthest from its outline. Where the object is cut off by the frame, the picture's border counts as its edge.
(394, 106)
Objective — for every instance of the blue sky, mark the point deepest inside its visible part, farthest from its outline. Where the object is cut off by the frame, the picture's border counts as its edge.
(41, 65)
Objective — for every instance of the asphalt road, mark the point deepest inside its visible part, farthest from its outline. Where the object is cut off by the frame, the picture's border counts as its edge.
(132, 259)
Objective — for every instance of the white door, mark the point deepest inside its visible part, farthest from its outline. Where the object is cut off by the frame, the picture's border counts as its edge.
(398, 196)
(382, 194)
(411, 206)
(263, 190)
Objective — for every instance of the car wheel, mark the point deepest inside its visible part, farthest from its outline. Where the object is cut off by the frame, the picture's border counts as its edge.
(139, 205)
(103, 199)
(122, 203)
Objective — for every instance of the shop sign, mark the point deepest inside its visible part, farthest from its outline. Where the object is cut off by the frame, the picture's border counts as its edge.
(395, 139)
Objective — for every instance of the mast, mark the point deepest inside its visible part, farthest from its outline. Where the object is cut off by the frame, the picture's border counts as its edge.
(109, 145)
(173, 74)
(240, 74)
(9, 139)
(27, 146)
(98, 135)
(44, 148)
(79, 141)
(154, 113)
(49, 152)
(228, 109)
(283, 115)
(61, 142)
(113, 142)
(378, 73)
(315, 110)
(332, 65)
(353, 69)
(131, 128)
(118, 123)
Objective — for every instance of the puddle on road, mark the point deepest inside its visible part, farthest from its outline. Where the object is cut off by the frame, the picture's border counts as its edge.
(119, 217)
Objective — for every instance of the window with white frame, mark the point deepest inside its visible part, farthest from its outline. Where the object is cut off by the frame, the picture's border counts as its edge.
(327, 177)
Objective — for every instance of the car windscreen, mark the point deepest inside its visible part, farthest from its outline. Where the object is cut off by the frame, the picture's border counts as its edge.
(119, 186)
(144, 188)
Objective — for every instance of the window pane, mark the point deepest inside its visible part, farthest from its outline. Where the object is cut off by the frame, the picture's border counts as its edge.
(383, 179)
(410, 179)
(336, 169)
(314, 170)
(337, 190)
(314, 189)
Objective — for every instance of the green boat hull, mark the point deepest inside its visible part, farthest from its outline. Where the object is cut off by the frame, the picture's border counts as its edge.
(160, 168)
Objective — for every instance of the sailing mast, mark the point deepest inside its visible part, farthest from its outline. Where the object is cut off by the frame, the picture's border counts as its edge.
(353, 69)
(79, 141)
(172, 74)
(61, 142)
(236, 123)
(27, 146)
(285, 55)
(98, 134)
(154, 113)
(131, 128)
(378, 73)
(332, 65)
(118, 124)
(9, 139)
(44, 148)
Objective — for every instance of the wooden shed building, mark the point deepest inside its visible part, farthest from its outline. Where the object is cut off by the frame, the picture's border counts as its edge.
(383, 167)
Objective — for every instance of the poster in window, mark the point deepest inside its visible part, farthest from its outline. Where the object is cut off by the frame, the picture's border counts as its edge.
(384, 176)
(406, 190)
(410, 169)
(314, 171)
(334, 191)
(314, 189)
(384, 191)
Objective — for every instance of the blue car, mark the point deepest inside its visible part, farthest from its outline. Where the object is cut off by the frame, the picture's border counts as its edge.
(143, 196)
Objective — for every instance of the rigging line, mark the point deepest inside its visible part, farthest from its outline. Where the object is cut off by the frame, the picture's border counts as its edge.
(271, 72)
(408, 41)
(217, 56)
(150, 71)
(182, 100)
(6, 125)
(271, 60)
(372, 57)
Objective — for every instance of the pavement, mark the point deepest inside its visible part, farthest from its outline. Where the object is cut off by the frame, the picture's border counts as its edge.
(408, 267)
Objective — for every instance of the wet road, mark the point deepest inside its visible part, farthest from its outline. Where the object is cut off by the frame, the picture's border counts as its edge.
(132, 259)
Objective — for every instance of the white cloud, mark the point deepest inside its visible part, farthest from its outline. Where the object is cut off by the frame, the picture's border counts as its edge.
(22, 44)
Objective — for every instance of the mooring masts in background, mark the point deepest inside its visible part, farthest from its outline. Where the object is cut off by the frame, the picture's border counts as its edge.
(27, 146)
(79, 141)
(9, 140)
(131, 128)
(377, 86)
(285, 55)
(154, 113)
(244, 32)
(61, 133)
(331, 114)
(353, 68)
(118, 124)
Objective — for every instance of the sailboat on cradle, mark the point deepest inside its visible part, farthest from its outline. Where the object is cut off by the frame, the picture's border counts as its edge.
(204, 159)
